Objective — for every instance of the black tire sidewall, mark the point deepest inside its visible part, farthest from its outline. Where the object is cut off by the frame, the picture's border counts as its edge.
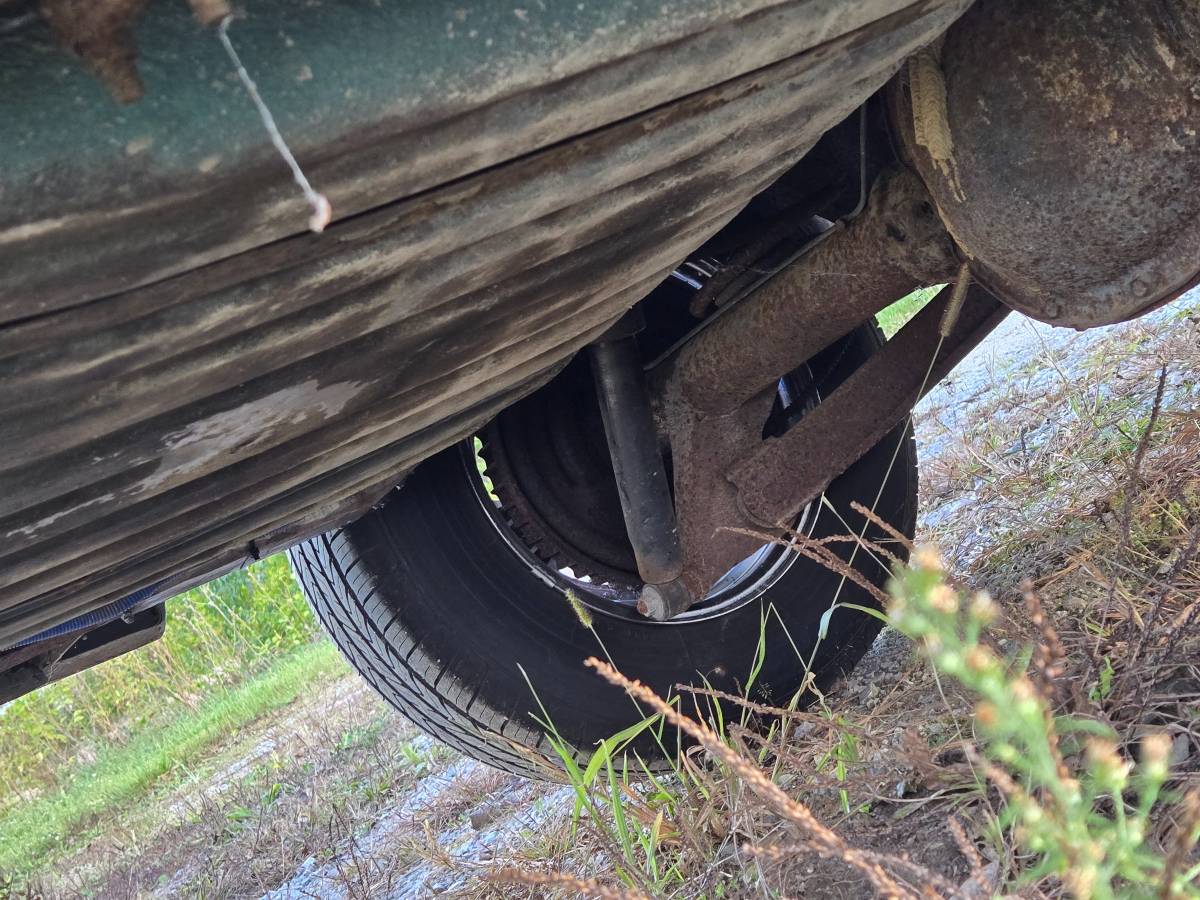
(448, 581)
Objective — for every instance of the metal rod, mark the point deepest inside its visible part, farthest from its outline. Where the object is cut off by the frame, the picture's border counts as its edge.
(637, 461)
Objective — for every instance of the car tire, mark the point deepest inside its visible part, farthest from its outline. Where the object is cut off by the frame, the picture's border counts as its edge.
(427, 600)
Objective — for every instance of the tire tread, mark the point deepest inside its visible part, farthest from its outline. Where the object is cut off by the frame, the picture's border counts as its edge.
(409, 680)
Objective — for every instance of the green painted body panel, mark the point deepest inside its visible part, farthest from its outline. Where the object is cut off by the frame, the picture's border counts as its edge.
(189, 379)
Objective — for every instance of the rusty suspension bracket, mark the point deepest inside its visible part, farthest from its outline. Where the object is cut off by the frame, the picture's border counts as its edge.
(787, 472)
(766, 483)
(721, 386)
(896, 245)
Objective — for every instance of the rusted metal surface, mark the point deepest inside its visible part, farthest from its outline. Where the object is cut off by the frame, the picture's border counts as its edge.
(758, 487)
(787, 472)
(896, 245)
(722, 386)
(257, 387)
(1065, 160)
(100, 33)
(703, 449)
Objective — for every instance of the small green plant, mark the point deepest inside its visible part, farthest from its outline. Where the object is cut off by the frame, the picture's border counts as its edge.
(602, 791)
(842, 754)
(1104, 681)
(418, 761)
(1087, 825)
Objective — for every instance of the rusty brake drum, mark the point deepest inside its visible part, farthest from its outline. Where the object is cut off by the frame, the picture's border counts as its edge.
(1061, 144)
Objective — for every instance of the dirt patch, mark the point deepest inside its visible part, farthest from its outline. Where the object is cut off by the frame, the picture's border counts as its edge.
(245, 818)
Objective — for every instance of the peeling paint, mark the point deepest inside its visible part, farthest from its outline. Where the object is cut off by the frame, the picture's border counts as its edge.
(240, 431)
(31, 530)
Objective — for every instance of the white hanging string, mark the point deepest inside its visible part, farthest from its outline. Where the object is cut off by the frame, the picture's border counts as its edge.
(321, 210)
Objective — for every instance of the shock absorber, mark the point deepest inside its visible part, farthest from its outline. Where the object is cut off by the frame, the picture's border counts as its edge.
(637, 461)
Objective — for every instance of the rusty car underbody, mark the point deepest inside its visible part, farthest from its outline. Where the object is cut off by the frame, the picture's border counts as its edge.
(190, 380)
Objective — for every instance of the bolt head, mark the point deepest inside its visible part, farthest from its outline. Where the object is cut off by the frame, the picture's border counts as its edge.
(652, 604)
(662, 601)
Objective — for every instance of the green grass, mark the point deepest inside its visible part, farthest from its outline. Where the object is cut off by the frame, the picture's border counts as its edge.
(217, 636)
(32, 834)
(1085, 823)
(1076, 810)
(894, 317)
(75, 752)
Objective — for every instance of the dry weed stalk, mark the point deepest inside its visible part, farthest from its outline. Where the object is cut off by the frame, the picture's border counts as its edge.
(817, 549)
(765, 710)
(1187, 835)
(822, 840)
(964, 844)
(875, 519)
(1047, 663)
(579, 887)
(930, 884)
(1048, 652)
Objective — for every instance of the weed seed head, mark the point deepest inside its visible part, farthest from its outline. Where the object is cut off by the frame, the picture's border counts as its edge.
(1006, 752)
(582, 613)
(1156, 750)
(928, 559)
(1106, 763)
(944, 599)
(1022, 690)
(979, 659)
(983, 610)
(987, 715)
(1080, 881)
